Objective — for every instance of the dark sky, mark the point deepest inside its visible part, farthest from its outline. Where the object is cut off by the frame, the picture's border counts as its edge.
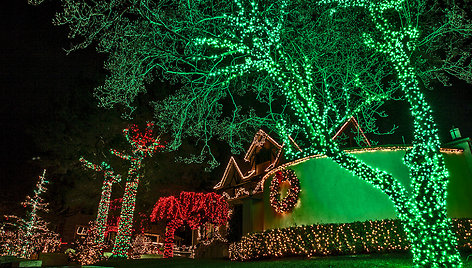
(34, 69)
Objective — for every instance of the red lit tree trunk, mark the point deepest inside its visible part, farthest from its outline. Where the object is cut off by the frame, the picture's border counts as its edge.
(172, 226)
(143, 144)
(103, 208)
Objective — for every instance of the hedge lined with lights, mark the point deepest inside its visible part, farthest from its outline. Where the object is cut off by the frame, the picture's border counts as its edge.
(335, 239)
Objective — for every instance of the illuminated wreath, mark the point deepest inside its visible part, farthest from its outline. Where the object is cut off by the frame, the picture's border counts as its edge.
(289, 201)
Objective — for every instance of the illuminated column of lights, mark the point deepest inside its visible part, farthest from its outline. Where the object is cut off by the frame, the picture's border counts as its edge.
(143, 144)
(104, 205)
(168, 209)
(433, 242)
(123, 238)
(33, 223)
(171, 227)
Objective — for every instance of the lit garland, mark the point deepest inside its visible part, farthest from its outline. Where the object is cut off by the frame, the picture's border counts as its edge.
(238, 193)
(109, 179)
(334, 239)
(142, 144)
(215, 236)
(290, 200)
(194, 209)
(260, 185)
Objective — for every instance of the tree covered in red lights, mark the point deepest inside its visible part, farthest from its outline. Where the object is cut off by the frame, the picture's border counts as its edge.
(194, 209)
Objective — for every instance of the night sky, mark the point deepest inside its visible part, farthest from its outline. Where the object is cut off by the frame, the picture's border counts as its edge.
(35, 74)
(34, 71)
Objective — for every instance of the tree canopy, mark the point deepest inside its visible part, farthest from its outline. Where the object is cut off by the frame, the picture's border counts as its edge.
(154, 39)
(218, 56)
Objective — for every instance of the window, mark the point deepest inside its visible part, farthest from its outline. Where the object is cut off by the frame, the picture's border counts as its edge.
(81, 230)
(262, 156)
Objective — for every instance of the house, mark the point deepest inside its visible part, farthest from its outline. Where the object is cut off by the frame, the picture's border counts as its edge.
(329, 194)
(241, 183)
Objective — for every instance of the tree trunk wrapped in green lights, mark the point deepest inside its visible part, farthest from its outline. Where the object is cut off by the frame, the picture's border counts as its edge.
(104, 205)
(314, 66)
(427, 224)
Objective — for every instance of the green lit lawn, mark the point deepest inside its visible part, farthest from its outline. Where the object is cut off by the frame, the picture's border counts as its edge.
(368, 261)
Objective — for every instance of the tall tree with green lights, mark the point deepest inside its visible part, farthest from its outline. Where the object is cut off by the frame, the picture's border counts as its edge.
(397, 33)
(313, 66)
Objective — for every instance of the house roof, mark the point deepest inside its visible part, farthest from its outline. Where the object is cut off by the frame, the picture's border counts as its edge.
(231, 168)
(352, 121)
(259, 139)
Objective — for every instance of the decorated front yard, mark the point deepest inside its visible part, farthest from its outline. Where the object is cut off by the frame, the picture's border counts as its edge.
(324, 183)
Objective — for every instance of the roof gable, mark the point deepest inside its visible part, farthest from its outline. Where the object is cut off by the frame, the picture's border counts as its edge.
(231, 176)
(353, 123)
(259, 140)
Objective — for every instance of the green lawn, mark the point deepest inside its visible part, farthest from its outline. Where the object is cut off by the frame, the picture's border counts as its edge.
(361, 261)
